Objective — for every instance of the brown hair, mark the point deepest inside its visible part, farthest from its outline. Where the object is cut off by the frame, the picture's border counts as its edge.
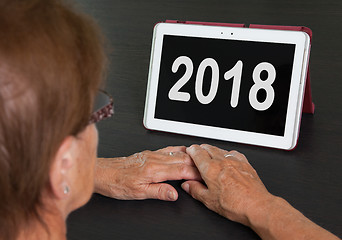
(52, 62)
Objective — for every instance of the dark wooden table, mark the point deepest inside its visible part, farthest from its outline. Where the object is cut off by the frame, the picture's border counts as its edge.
(309, 177)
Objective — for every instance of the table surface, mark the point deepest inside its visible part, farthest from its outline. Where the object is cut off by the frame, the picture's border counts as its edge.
(309, 177)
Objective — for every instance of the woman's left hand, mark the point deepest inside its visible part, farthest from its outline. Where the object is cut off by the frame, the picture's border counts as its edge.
(140, 176)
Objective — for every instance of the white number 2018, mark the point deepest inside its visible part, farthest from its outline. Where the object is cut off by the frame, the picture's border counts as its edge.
(235, 73)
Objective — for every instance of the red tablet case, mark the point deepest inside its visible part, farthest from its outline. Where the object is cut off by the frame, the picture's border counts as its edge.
(308, 106)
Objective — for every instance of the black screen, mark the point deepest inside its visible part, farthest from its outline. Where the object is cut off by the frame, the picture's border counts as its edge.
(219, 111)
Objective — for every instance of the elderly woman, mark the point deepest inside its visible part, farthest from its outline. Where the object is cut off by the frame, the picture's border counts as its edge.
(52, 63)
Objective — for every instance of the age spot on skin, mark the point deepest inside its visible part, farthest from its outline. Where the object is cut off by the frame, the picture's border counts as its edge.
(137, 160)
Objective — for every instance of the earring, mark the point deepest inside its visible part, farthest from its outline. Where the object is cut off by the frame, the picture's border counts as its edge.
(66, 190)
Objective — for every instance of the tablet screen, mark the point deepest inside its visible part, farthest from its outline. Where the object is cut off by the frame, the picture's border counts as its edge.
(234, 84)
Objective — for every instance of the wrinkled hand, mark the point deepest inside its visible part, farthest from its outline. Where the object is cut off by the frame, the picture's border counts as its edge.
(233, 186)
(140, 176)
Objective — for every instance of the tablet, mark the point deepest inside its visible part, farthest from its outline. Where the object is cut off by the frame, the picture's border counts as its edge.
(235, 84)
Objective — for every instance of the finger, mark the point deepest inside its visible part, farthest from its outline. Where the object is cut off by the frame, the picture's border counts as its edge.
(200, 157)
(196, 189)
(238, 156)
(167, 158)
(213, 151)
(161, 191)
(172, 149)
(162, 172)
(179, 157)
(219, 153)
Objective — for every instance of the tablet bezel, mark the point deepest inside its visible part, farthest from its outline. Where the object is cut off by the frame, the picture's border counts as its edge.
(296, 95)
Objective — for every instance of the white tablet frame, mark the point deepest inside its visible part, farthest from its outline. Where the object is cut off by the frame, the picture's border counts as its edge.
(296, 96)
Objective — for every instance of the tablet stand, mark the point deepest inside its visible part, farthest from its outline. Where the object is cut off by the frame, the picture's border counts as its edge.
(308, 105)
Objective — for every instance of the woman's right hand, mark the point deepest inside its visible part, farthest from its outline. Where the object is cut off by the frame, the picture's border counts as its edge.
(233, 188)
(235, 191)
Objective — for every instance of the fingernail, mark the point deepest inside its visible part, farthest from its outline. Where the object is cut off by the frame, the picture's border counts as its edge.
(171, 195)
(185, 187)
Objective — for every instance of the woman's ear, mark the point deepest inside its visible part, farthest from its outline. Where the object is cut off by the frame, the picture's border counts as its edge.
(59, 175)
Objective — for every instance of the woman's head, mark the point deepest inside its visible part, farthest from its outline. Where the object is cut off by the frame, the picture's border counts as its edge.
(52, 62)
